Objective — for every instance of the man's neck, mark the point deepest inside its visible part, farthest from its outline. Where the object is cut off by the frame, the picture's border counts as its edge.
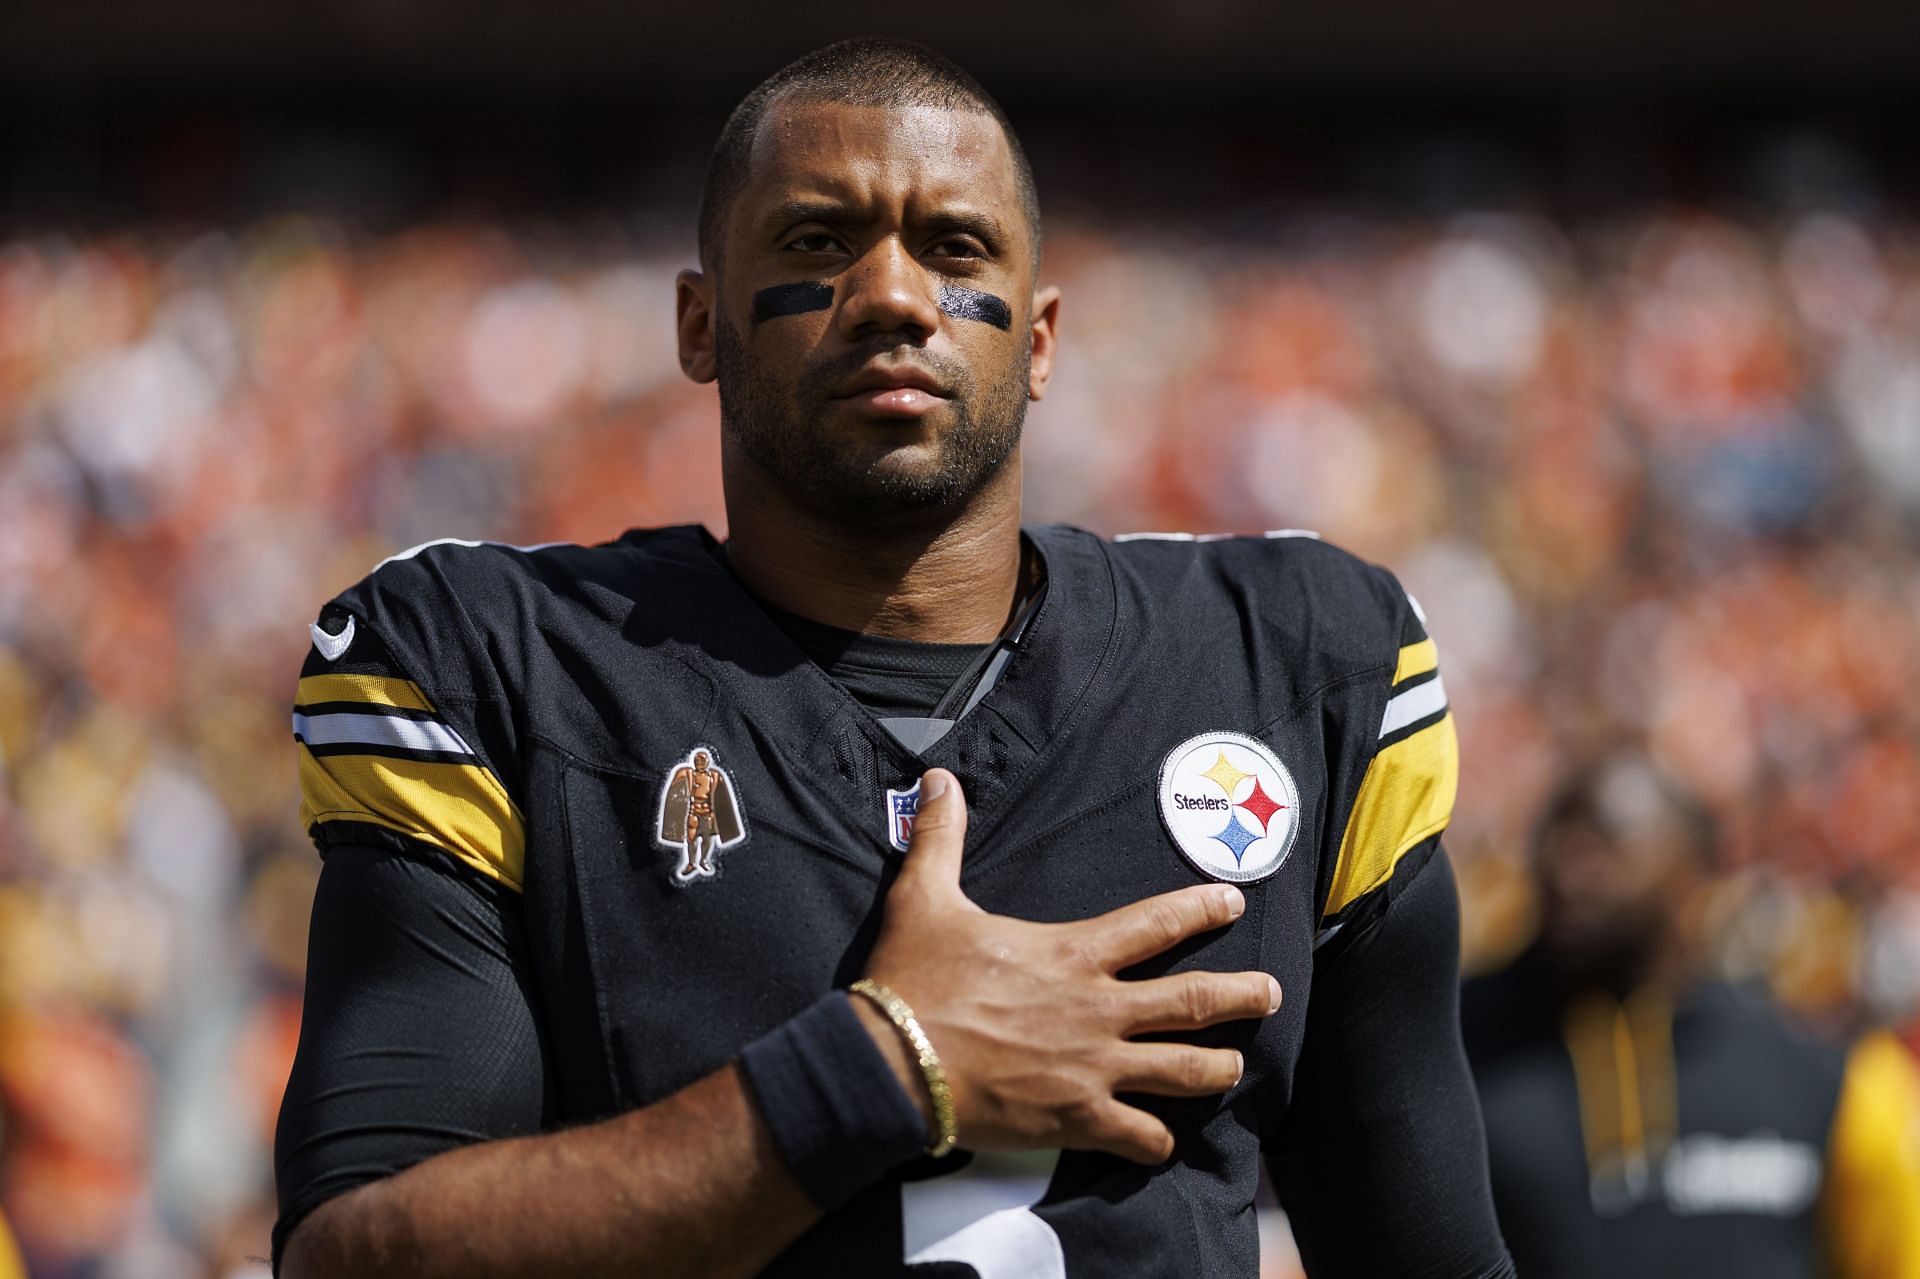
(951, 580)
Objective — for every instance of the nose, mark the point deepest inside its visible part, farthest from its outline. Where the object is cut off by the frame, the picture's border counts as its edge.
(888, 291)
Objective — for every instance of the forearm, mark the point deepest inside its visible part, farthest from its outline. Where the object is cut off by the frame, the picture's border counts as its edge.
(691, 1185)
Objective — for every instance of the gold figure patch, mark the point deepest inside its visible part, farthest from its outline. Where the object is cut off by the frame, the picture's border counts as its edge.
(699, 815)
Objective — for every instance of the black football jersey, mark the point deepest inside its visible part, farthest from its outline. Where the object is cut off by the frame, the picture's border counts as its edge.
(1705, 1137)
(701, 826)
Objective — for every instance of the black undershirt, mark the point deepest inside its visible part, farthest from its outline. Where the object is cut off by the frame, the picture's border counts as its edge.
(886, 675)
(890, 677)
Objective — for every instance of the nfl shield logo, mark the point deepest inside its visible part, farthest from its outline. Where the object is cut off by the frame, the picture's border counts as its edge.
(902, 806)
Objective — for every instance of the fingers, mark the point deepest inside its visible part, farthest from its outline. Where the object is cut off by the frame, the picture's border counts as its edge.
(1178, 1070)
(1127, 1131)
(932, 866)
(1142, 930)
(1190, 1001)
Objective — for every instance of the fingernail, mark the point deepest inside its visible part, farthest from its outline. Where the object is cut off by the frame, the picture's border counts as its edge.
(1239, 1067)
(933, 784)
(1236, 902)
(1273, 995)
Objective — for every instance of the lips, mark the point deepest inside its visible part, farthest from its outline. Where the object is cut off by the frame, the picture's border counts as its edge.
(900, 378)
(902, 391)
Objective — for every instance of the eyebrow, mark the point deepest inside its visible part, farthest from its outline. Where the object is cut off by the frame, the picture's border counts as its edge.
(788, 212)
(981, 225)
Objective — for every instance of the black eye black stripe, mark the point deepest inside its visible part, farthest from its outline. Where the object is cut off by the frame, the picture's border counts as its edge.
(970, 304)
(791, 299)
(798, 299)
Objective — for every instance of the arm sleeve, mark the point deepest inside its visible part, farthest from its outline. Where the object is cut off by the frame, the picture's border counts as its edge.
(1406, 793)
(1871, 1204)
(1381, 1159)
(419, 1032)
(384, 762)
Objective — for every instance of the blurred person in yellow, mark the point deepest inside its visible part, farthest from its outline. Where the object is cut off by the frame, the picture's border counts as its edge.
(11, 1267)
(1645, 1120)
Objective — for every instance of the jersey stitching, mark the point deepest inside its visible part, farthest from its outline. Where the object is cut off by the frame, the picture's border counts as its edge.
(477, 638)
(1335, 832)
(322, 815)
(615, 1078)
(1057, 737)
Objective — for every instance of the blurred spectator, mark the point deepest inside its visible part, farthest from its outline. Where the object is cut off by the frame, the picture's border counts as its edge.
(1642, 1121)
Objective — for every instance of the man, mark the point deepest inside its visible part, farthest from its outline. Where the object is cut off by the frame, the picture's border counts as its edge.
(1644, 1122)
(1073, 814)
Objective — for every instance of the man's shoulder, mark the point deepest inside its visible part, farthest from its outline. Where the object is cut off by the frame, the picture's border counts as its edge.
(475, 621)
(474, 574)
(1304, 586)
(455, 592)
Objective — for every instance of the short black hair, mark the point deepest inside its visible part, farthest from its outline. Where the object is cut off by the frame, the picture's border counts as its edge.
(1623, 793)
(868, 71)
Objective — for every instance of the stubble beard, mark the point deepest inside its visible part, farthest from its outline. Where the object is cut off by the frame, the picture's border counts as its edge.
(776, 424)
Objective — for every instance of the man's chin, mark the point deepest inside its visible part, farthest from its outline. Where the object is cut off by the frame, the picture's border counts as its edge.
(889, 493)
(906, 483)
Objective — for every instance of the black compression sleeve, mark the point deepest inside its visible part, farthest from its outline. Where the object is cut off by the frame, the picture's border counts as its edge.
(1381, 1160)
(419, 1032)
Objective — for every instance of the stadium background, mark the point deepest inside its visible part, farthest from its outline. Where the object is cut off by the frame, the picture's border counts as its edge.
(1603, 329)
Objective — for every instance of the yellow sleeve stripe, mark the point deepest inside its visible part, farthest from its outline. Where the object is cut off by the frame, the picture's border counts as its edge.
(459, 808)
(1406, 796)
(1416, 659)
(1871, 1205)
(376, 690)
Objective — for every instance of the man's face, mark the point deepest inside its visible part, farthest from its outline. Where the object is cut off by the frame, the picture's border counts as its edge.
(1608, 900)
(868, 401)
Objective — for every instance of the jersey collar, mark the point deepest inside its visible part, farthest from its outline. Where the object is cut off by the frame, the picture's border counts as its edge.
(719, 626)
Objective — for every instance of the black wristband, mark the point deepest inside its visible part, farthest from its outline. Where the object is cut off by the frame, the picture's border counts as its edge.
(835, 1108)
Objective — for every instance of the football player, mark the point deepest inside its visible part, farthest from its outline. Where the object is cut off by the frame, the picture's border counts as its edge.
(1645, 1121)
(1024, 833)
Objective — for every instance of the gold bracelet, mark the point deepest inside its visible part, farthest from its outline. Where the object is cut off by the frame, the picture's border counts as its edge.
(900, 1013)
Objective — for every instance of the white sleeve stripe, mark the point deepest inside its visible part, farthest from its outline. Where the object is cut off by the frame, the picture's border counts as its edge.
(1178, 537)
(1415, 704)
(353, 729)
(412, 551)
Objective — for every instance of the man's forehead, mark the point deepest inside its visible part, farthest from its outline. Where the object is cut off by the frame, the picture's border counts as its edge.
(838, 150)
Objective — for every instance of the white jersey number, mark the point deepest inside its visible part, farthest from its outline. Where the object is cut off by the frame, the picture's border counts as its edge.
(985, 1221)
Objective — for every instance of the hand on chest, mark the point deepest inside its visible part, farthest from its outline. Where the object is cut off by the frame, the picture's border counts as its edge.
(727, 890)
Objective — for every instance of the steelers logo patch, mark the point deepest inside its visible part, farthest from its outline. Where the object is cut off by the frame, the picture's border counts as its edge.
(1230, 805)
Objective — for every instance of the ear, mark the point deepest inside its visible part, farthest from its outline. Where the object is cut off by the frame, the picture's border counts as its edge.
(693, 324)
(1045, 325)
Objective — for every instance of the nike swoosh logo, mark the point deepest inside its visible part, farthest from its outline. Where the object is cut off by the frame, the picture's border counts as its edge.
(331, 646)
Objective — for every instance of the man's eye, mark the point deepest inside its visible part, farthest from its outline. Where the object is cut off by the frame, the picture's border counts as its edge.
(813, 242)
(958, 249)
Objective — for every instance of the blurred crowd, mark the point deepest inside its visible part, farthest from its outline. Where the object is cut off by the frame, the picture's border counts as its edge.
(1656, 480)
